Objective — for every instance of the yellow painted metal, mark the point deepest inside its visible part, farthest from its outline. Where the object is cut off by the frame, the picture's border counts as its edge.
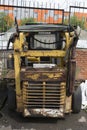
(22, 40)
(41, 91)
(17, 80)
(44, 92)
(19, 42)
(35, 76)
(25, 84)
(63, 86)
(69, 39)
(36, 59)
(54, 76)
(51, 53)
(32, 95)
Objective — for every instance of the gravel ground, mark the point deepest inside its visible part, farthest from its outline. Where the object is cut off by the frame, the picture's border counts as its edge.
(13, 121)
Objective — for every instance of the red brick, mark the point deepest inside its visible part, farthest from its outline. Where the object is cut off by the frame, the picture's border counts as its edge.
(81, 61)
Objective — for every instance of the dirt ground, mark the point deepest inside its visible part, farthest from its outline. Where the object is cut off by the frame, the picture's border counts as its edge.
(13, 121)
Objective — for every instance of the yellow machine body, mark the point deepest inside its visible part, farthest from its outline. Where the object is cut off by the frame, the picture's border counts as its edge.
(41, 89)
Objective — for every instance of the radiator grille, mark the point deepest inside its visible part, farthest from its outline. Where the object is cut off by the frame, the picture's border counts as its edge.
(43, 95)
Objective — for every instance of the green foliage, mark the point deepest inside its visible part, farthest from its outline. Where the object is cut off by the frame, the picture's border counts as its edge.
(74, 21)
(27, 20)
(6, 22)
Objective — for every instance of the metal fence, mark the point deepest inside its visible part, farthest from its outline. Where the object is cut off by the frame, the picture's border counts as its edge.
(79, 15)
(32, 13)
(38, 12)
(24, 12)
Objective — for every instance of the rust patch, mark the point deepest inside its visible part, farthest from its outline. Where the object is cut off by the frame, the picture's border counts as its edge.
(39, 74)
(44, 112)
(43, 74)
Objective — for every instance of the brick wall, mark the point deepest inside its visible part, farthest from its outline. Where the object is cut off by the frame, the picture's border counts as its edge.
(81, 63)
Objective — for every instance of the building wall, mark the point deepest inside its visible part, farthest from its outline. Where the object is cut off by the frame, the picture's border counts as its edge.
(48, 16)
(8, 10)
(81, 63)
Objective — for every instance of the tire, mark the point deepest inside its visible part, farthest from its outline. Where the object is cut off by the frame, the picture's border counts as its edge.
(11, 99)
(77, 100)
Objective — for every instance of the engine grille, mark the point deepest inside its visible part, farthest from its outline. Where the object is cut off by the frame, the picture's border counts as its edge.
(47, 95)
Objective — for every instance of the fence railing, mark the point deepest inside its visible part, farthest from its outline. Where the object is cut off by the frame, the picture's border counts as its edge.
(79, 14)
(26, 11)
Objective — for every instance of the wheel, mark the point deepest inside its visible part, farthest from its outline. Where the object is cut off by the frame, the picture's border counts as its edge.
(11, 99)
(77, 100)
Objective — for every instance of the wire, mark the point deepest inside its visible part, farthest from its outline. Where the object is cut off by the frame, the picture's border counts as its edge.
(45, 42)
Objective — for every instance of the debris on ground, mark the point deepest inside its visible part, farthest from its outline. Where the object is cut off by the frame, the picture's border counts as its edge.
(82, 119)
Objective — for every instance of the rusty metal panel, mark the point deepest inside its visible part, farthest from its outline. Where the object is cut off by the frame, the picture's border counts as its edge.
(45, 74)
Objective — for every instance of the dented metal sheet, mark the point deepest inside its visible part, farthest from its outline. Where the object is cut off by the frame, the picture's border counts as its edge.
(44, 112)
